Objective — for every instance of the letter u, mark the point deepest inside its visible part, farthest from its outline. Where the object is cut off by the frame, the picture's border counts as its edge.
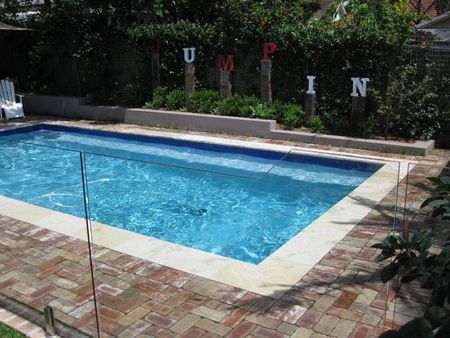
(189, 54)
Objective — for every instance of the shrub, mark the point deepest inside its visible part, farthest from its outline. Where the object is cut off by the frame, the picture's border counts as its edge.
(159, 98)
(263, 111)
(316, 124)
(203, 101)
(409, 106)
(230, 106)
(293, 115)
(176, 99)
(248, 102)
(340, 125)
(134, 95)
(414, 259)
(279, 107)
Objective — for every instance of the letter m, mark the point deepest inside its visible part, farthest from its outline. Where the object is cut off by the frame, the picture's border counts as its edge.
(226, 64)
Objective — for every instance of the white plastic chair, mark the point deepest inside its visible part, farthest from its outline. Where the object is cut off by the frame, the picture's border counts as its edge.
(8, 104)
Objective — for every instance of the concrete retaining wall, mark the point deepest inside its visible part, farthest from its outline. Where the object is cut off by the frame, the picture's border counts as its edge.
(74, 107)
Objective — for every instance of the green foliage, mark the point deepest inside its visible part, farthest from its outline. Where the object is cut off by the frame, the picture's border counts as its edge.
(371, 41)
(409, 106)
(176, 99)
(440, 202)
(316, 124)
(159, 98)
(229, 106)
(413, 259)
(340, 125)
(293, 116)
(134, 95)
(203, 101)
(263, 111)
(279, 107)
(7, 332)
(247, 104)
(75, 34)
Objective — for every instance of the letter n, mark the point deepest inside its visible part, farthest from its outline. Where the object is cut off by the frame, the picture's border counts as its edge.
(359, 86)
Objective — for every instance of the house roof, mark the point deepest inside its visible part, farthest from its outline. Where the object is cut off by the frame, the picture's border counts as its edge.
(439, 34)
(443, 18)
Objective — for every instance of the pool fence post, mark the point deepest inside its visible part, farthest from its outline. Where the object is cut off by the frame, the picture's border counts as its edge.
(310, 99)
(189, 73)
(155, 48)
(49, 319)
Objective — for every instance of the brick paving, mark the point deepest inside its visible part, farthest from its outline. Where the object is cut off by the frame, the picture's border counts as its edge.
(22, 325)
(341, 296)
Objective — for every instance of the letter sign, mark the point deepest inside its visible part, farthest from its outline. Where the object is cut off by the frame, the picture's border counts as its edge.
(226, 65)
(268, 48)
(360, 86)
(155, 47)
(189, 54)
(311, 84)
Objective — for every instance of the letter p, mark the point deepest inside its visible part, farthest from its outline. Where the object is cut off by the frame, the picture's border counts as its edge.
(268, 48)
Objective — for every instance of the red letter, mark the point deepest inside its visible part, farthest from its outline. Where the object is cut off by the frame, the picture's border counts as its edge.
(268, 48)
(155, 47)
(226, 65)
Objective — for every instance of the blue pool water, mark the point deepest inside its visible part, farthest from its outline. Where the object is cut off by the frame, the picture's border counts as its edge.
(234, 202)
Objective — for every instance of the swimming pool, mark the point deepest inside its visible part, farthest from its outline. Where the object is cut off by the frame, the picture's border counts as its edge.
(235, 202)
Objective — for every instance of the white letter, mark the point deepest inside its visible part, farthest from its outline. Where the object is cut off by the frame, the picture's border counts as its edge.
(189, 55)
(311, 84)
(360, 85)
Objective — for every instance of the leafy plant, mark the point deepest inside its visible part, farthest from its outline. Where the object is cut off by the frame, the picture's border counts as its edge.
(159, 98)
(229, 106)
(409, 106)
(247, 104)
(176, 99)
(263, 111)
(413, 260)
(440, 202)
(134, 95)
(203, 101)
(316, 124)
(293, 115)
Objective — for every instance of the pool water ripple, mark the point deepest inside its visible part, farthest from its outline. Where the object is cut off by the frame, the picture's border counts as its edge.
(245, 218)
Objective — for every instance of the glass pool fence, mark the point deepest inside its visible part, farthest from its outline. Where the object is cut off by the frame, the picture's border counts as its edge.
(61, 255)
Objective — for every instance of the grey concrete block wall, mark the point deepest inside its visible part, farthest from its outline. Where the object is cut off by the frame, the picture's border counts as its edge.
(74, 107)
(201, 122)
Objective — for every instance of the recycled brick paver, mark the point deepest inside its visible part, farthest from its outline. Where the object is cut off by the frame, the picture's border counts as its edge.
(341, 296)
(22, 325)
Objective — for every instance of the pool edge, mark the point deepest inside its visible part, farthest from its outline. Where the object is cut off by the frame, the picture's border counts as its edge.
(272, 277)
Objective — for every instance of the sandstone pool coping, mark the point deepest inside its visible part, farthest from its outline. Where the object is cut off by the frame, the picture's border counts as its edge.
(282, 269)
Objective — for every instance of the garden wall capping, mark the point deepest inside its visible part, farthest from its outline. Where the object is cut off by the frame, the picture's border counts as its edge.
(75, 107)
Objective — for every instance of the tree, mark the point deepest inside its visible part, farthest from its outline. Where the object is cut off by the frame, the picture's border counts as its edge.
(424, 8)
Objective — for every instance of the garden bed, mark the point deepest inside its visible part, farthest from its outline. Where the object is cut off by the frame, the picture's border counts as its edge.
(74, 107)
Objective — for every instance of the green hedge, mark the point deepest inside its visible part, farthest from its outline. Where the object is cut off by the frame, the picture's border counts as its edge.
(372, 41)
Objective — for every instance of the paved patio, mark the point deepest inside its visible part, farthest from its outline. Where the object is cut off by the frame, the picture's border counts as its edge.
(341, 296)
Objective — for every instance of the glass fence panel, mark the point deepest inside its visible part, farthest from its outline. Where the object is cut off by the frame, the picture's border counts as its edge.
(44, 250)
(156, 227)
(410, 299)
(149, 219)
(152, 223)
